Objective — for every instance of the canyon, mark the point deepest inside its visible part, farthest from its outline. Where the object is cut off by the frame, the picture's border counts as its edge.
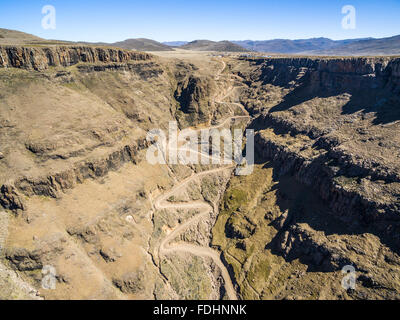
(78, 194)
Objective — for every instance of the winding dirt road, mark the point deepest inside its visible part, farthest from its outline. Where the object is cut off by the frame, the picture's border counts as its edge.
(204, 208)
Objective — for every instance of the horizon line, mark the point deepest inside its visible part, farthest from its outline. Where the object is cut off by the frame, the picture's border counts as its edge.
(199, 39)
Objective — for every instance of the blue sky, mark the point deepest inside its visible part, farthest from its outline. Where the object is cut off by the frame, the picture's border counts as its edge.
(167, 20)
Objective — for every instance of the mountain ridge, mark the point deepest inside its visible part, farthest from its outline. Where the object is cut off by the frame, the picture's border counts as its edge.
(326, 46)
(311, 46)
(141, 44)
(208, 45)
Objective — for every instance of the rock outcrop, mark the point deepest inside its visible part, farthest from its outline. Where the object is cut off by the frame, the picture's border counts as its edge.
(360, 185)
(328, 185)
(194, 97)
(324, 192)
(325, 76)
(12, 194)
(41, 58)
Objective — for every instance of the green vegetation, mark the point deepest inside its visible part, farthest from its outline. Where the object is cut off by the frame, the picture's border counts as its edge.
(188, 277)
(349, 183)
(234, 199)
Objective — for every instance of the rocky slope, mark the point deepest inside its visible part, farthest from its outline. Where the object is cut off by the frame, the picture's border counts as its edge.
(41, 58)
(75, 179)
(8, 36)
(79, 195)
(328, 144)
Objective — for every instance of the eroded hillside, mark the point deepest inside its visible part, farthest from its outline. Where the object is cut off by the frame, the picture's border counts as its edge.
(79, 195)
(328, 154)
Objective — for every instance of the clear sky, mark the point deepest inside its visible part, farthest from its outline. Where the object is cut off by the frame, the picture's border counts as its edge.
(167, 20)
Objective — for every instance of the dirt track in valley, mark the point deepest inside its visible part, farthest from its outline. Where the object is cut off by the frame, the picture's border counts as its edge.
(204, 208)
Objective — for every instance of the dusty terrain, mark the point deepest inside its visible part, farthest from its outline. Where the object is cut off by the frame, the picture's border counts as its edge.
(78, 194)
(81, 188)
(328, 152)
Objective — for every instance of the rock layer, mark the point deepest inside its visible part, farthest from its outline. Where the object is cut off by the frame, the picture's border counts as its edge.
(41, 58)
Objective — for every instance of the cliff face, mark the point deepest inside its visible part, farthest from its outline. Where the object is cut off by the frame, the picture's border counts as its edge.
(84, 134)
(351, 197)
(193, 95)
(328, 191)
(324, 192)
(338, 74)
(54, 184)
(344, 110)
(73, 150)
(38, 58)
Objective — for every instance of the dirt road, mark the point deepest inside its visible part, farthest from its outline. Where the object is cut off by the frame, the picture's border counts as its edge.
(203, 207)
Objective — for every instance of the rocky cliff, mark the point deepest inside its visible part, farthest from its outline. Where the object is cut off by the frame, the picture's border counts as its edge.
(367, 96)
(74, 180)
(194, 97)
(71, 153)
(329, 73)
(328, 153)
(41, 58)
(79, 194)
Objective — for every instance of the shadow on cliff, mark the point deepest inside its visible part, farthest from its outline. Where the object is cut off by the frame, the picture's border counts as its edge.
(375, 97)
(303, 205)
(302, 209)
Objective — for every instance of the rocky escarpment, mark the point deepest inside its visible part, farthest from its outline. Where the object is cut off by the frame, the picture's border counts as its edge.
(12, 194)
(356, 198)
(92, 129)
(281, 71)
(194, 94)
(328, 185)
(302, 79)
(324, 192)
(41, 58)
(145, 70)
(329, 129)
(75, 132)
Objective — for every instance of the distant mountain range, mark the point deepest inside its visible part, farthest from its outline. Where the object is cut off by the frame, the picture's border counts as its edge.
(207, 45)
(314, 46)
(325, 46)
(366, 47)
(175, 43)
(141, 44)
(317, 46)
(293, 46)
(13, 37)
